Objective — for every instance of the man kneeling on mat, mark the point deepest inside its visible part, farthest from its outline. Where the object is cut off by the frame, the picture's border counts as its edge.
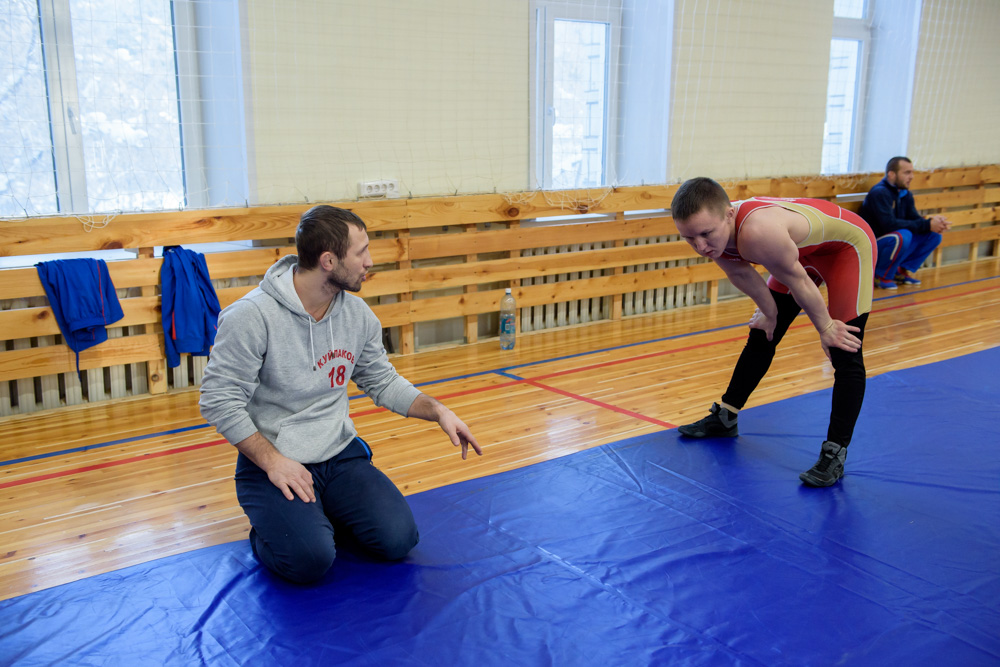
(802, 243)
(273, 391)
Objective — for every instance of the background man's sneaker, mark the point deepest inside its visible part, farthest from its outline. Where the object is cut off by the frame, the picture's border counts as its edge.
(720, 422)
(885, 284)
(829, 468)
(904, 277)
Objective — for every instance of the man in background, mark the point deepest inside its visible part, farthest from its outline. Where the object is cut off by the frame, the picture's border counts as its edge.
(905, 239)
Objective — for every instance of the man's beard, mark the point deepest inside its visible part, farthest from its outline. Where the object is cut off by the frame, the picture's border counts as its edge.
(339, 281)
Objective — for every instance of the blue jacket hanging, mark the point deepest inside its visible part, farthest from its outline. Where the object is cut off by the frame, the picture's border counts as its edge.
(190, 306)
(82, 299)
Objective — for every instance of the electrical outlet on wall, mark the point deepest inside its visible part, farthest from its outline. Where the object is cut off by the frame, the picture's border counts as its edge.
(387, 189)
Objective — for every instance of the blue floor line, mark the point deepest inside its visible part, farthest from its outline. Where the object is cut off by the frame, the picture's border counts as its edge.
(102, 444)
(500, 371)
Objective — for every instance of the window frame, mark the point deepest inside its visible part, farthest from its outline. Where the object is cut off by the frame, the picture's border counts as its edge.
(59, 62)
(541, 63)
(66, 138)
(859, 30)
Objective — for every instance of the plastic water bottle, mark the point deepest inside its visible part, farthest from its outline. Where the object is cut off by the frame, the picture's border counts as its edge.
(508, 321)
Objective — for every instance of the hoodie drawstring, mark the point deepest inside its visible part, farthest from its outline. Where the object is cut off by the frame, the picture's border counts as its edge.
(312, 352)
(329, 328)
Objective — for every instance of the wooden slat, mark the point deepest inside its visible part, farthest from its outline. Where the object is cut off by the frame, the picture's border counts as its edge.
(973, 236)
(432, 212)
(244, 262)
(949, 199)
(949, 178)
(53, 359)
(47, 235)
(546, 265)
(423, 310)
(471, 321)
(230, 295)
(974, 215)
(991, 173)
(458, 275)
(36, 236)
(31, 322)
(141, 272)
(407, 332)
(521, 238)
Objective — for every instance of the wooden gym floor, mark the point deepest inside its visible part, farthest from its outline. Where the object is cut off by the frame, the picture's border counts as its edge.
(93, 489)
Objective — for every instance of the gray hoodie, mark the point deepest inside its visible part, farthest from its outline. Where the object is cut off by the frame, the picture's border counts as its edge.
(275, 370)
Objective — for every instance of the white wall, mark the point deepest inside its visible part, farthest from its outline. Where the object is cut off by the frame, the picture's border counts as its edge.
(644, 102)
(432, 94)
(435, 94)
(956, 96)
(750, 84)
(886, 127)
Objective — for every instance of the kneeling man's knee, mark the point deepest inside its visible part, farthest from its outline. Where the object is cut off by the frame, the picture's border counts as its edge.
(304, 564)
(394, 540)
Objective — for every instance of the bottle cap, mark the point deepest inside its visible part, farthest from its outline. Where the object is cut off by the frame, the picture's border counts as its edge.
(508, 290)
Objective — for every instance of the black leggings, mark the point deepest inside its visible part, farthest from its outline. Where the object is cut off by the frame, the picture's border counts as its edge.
(849, 371)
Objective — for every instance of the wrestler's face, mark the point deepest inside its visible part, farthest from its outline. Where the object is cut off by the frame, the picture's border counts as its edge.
(348, 273)
(903, 175)
(708, 231)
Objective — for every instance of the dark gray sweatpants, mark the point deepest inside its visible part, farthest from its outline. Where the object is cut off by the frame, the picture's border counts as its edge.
(295, 539)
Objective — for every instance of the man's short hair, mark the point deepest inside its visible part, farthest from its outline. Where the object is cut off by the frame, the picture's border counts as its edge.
(893, 164)
(697, 194)
(322, 229)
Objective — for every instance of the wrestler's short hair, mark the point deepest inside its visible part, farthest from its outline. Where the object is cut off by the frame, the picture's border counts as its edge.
(697, 194)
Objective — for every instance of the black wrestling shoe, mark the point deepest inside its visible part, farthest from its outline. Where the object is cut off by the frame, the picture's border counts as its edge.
(719, 423)
(829, 468)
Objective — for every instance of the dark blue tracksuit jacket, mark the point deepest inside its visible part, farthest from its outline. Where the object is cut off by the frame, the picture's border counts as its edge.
(887, 208)
(189, 303)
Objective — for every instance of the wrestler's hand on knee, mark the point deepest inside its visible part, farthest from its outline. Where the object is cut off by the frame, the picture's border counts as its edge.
(840, 335)
(761, 321)
(292, 479)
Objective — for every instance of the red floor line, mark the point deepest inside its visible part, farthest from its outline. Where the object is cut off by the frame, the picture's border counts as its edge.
(640, 357)
(531, 381)
(601, 404)
(109, 464)
(578, 369)
(652, 355)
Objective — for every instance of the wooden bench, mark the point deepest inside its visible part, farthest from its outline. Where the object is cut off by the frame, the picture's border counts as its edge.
(569, 257)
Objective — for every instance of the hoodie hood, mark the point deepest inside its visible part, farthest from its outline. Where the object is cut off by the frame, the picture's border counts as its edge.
(279, 284)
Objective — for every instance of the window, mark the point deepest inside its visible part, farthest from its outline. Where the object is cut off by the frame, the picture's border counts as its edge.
(92, 118)
(849, 9)
(575, 60)
(844, 101)
(27, 177)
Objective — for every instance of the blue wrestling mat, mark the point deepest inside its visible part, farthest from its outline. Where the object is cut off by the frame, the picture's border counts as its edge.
(649, 551)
